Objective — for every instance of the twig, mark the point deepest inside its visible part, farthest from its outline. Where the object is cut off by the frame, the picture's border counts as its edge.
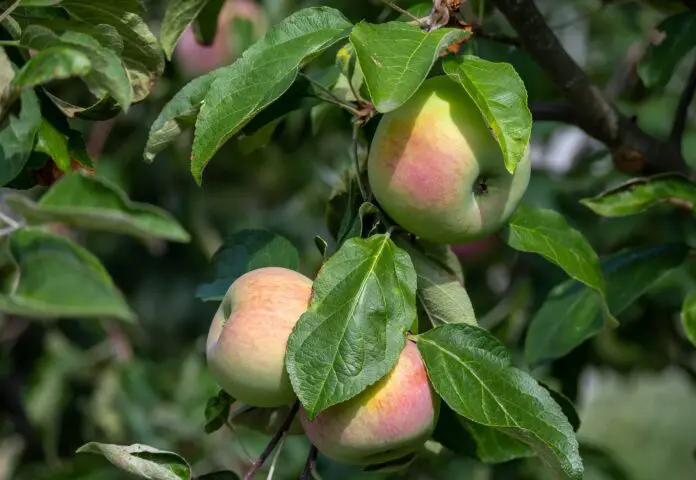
(358, 173)
(282, 431)
(403, 11)
(332, 97)
(634, 150)
(682, 114)
(9, 10)
(311, 464)
(271, 471)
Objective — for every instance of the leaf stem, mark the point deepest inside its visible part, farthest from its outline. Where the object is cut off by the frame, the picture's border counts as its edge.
(403, 11)
(282, 432)
(9, 10)
(311, 464)
(9, 221)
(333, 98)
(356, 157)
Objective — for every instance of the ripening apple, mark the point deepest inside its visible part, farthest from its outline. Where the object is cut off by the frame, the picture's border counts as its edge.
(437, 170)
(247, 339)
(388, 421)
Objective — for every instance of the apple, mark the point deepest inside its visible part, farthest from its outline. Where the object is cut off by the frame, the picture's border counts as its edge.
(247, 339)
(435, 167)
(388, 421)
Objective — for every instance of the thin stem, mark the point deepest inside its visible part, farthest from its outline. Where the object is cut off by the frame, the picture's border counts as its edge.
(682, 114)
(358, 173)
(282, 431)
(271, 471)
(9, 221)
(13, 43)
(333, 98)
(311, 464)
(9, 10)
(403, 11)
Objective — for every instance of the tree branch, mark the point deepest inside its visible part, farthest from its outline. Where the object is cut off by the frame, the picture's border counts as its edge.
(635, 151)
(310, 464)
(682, 114)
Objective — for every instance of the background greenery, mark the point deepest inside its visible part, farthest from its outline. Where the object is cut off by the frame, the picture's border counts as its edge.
(70, 381)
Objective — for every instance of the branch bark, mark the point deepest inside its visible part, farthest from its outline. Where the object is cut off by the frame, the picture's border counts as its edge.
(634, 151)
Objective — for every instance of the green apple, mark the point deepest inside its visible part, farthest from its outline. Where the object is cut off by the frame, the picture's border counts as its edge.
(437, 170)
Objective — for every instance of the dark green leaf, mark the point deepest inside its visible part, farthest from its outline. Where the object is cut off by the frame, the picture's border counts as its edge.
(396, 57)
(52, 64)
(641, 194)
(572, 313)
(48, 276)
(545, 232)
(18, 136)
(494, 445)
(219, 476)
(245, 251)
(92, 202)
(142, 461)
(206, 23)
(354, 223)
(54, 144)
(471, 370)
(178, 15)
(677, 36)
(501, 96)
(217, 410)
(362, 306)
(261, 76)
(688, 316)
(142, 55)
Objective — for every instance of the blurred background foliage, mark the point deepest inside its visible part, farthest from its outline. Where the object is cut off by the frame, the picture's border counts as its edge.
(67, 382)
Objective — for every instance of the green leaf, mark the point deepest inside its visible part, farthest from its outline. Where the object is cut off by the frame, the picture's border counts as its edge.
(354, 223)
(217, 410)
(18, 136)
(395, 58)
(91, 202)
(676, 37)
(52, 64)
(261, 76)
(178, 15)
(107, 75)
(472, 372)
(441, 293)
(572, 313)
(48, 276)
(641, 194)
(245, 251)
(142, 55)
(545, 232)
(501, 96)
(688, 316)
(142, 461)
(206, 23)
(494, 445)
(39, 3)
(54, 144)
(362, 306)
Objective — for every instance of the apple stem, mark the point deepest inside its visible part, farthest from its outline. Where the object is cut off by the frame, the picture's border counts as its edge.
(311, 464)
(280, 434)
(358, 170)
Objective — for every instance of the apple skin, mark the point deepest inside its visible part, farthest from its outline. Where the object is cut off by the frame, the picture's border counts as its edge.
(429, 162)
(246, 342)
(389, 420)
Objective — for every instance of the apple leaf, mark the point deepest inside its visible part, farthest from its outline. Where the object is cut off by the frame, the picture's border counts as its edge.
(54, 144)
(493, 445)
(688, 317)
(546, 233)
(44, 275)
(641, 194)
(18, 136)
(245, 251)
(142, 461)
(472, 372)
(395, 58)
(501, 96)
(91, 202)
(178, 15)
(676, 37)
(364, 302)
(265, 71)
(52, 64)
(572, 313)
(205, 26)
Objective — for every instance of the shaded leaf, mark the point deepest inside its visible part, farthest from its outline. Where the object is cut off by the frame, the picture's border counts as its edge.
(54, 144)
(206, 22)
(48, 276)
(222, 475)
(641, 194)
(354, 330)
(494, 445)
(245, 251)
(142, 461)
(217, 410)
(178, 15)
(572, 313)
(52, 64)
(261, 76)
(395, 58)
(688, 316)
(677, 37)
(471, 370)
(18, 136)
(91, 202)
(545, 232)
(501, 96)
